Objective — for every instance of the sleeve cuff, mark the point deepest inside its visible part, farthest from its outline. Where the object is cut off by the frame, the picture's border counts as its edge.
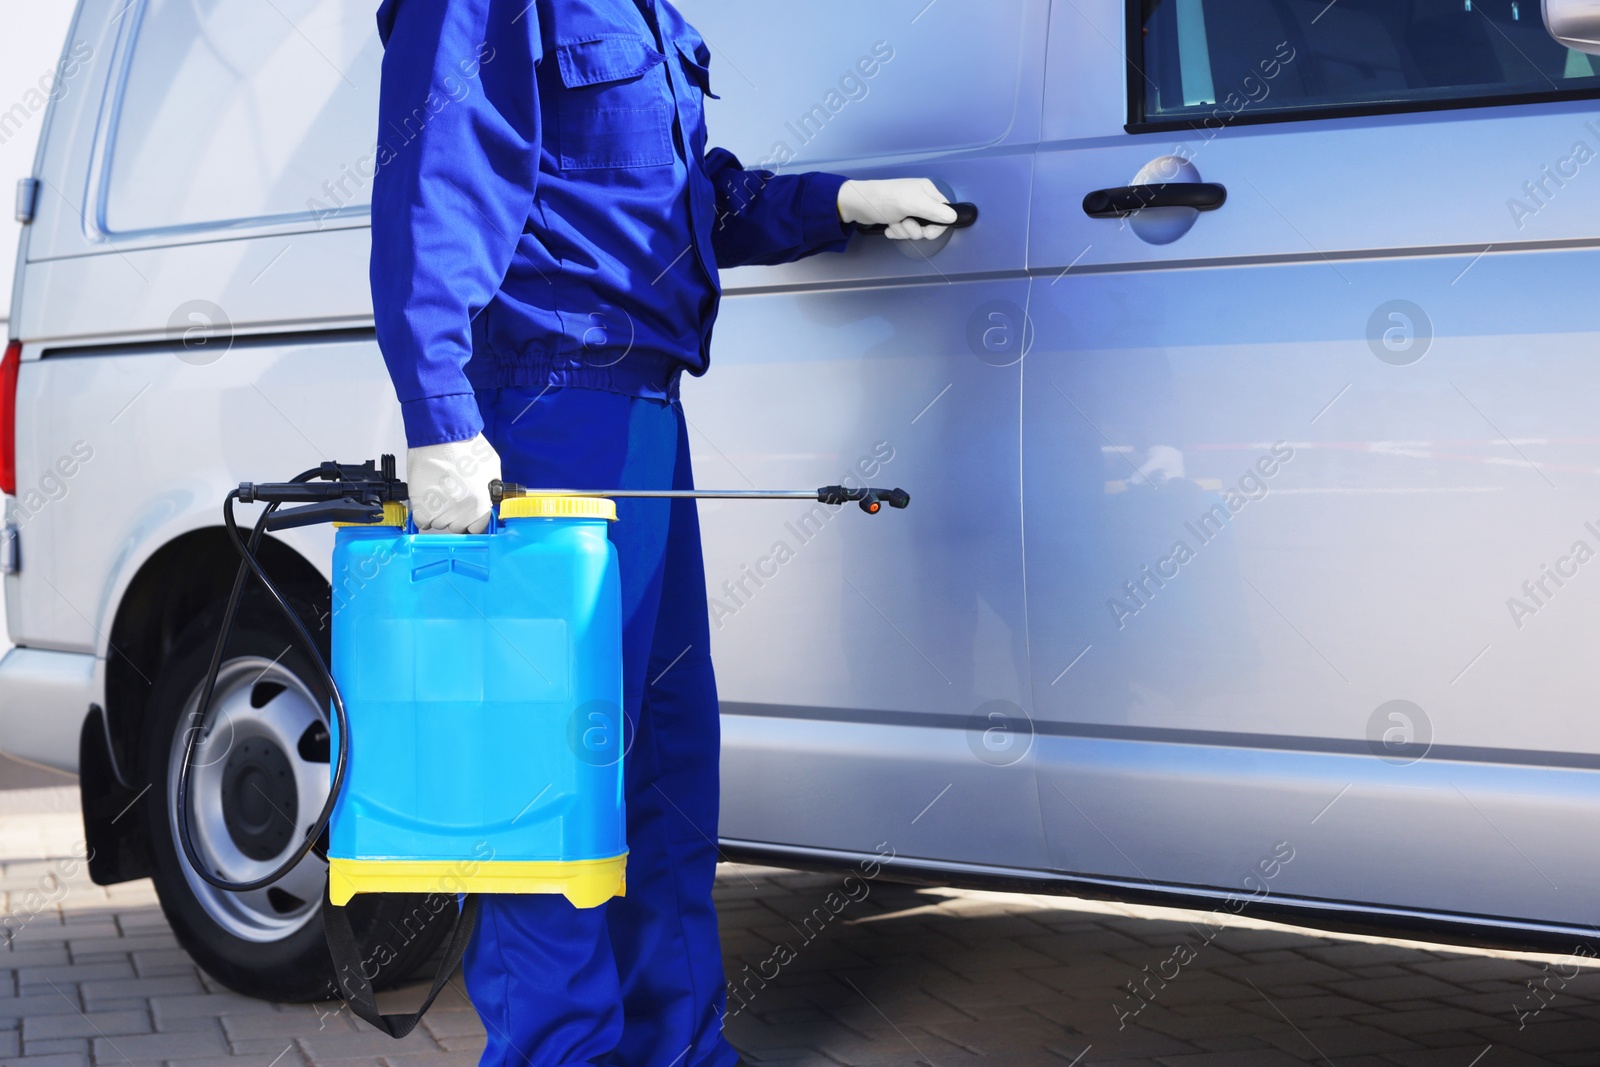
(437, 420)
(820, 205)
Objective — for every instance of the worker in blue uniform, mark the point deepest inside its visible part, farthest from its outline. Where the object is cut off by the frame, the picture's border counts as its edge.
(547, 226)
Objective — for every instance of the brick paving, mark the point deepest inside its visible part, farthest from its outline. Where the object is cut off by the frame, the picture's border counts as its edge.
(829, 972)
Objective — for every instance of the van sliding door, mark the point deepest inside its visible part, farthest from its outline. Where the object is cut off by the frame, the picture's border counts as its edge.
(873, 670)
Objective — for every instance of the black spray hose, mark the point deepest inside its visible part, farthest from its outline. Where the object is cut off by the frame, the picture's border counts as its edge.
(248, 565)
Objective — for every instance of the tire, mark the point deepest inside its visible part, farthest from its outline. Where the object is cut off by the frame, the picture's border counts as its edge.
(260, 778)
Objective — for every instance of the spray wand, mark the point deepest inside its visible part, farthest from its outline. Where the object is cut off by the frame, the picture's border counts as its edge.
(871, 500)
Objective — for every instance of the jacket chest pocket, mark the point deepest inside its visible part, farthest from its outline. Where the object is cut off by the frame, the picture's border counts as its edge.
(696, 57)
(616, 108)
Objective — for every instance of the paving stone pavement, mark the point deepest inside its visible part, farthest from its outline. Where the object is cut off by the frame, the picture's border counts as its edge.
(828, 972)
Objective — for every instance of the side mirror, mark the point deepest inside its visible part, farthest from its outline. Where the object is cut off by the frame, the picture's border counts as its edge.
(1574, 23)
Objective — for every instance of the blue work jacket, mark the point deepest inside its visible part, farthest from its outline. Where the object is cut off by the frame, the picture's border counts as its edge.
(545, 211)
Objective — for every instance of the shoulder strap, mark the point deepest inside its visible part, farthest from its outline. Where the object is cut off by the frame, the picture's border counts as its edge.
(356, 987)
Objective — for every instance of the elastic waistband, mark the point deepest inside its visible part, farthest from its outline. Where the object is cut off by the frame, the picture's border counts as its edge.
(639, 374)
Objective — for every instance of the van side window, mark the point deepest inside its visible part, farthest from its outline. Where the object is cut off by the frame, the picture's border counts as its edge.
(234, 114)
(1211, 62)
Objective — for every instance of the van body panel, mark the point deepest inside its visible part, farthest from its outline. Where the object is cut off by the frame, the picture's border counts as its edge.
(915, 789)
(1086, 76)
(1483, 839)
(71, 72)
(44, 697)
(67, 145)
(152, 443)
(923, 611)
(1378, 562)
(190, 292)
(944, 79)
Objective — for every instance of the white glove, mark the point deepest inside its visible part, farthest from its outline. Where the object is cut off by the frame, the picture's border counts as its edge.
(449, 485)
(893, 203)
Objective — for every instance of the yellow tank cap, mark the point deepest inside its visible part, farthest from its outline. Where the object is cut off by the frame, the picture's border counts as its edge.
(559, 507)
(394, 514)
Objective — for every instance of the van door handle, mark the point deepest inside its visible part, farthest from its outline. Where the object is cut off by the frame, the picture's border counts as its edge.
(1126, 199)
(966, 215)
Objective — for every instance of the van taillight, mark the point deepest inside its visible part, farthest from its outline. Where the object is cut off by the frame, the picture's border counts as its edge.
(8, 417)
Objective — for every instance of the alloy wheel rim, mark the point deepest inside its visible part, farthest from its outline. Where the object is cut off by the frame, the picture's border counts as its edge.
(258, 779)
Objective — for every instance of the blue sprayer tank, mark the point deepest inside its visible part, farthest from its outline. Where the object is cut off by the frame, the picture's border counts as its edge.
(482, 680)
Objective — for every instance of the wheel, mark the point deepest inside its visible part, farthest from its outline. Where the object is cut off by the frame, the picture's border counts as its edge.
(258, 781)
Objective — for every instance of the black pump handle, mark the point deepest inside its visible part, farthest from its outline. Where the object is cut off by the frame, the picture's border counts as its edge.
(966, 215)
(365, 483)
(1124, 200)
(345, 510)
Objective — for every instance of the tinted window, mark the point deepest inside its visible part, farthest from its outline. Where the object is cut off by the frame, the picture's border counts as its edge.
(1232, 60)
(237, 111)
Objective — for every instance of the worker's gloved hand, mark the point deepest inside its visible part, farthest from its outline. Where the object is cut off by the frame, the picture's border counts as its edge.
(894, 203)
(449, 485)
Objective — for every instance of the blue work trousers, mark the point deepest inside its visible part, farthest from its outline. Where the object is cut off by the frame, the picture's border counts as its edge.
(638, 981)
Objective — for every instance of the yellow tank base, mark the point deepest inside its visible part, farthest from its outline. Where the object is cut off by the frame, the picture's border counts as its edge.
(587, 883)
